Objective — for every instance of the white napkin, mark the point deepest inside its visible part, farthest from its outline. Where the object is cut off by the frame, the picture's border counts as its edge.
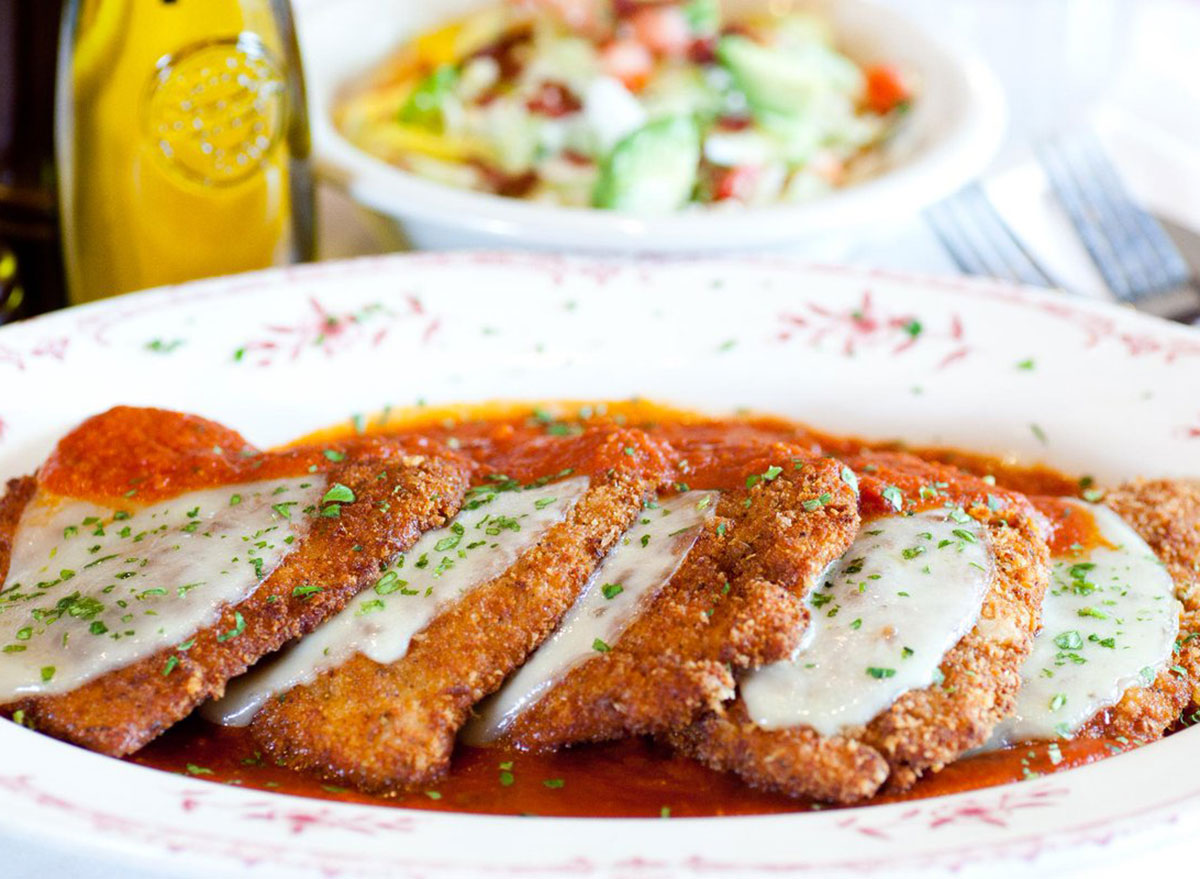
(1161, 173)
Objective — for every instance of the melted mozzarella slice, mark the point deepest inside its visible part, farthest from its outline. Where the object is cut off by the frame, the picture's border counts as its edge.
(445, 564)
(904, 593)
(1109, 622)
(633, 572)
(91, 589)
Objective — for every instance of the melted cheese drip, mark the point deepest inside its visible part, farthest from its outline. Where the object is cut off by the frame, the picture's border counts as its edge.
(445, 564)
(904, 593)
(1109, 622)
(91, 589)
(633, 572)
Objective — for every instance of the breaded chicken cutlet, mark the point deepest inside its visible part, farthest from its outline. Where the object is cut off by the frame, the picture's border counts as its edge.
(391, 726)
(389, 494)
(735, 603)
(976, 680)
(1166, 514)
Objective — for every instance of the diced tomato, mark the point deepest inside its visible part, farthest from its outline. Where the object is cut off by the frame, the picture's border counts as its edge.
(554, 99)
(885, 88)
(737, 182)
(662, 29)
(629, 61)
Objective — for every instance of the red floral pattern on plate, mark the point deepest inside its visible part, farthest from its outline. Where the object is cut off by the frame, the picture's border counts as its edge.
(331, 333)
(300, 816)
(868, 325)
(53, 348)
(342, 859)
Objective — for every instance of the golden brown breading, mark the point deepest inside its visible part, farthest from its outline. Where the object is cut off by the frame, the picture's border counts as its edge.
(735, 603)
(1166, 514)
(924, 729)
(387, 727)
(1144, 713)
(398, 497)
(798, 761)
(17, 495)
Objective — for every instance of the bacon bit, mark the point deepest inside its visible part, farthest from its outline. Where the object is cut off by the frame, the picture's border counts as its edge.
(737, 183)
(629, 61)
(504, 52)
(662, 29)
(577, 158)
(885, 88)
(554, 99)
(510, 185)
(703, 50)
(733, 123)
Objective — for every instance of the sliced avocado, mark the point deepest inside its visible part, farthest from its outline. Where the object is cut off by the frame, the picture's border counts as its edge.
(651, 170)
(424, 106)
(786, 81)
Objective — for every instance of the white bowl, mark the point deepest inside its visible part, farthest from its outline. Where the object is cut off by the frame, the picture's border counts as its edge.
(955, 129)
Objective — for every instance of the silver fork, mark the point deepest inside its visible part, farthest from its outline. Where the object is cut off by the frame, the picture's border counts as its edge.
(1138, 260)
(980, 242)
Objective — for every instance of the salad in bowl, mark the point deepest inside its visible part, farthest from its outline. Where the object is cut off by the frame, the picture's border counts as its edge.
(631, 127)
(643, 107)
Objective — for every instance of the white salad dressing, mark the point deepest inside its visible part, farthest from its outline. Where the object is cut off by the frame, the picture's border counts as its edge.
(883, 617)
(633, 572)
(91, 589)
(484, 540)
(1109, 622)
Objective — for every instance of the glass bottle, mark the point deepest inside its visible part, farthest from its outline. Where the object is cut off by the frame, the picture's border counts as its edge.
(31, 271)
(182, 142)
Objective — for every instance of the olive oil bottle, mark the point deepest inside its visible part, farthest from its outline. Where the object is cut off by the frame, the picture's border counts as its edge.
(182, 142)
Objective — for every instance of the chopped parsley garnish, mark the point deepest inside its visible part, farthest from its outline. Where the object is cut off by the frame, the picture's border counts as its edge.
(338, 494)
(239, 626)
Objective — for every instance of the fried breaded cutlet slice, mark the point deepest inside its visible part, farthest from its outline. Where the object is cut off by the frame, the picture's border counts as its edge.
(736, 602)
(388, 727)
(923, 729)
(399, 490)
(1166, 514)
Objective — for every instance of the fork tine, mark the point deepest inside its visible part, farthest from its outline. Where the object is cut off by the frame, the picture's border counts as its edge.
(1115, 213)
(942, 218)
(1067, 189)
(1007, 245)
(980, 242)
(1128, 246)
(1166, 265)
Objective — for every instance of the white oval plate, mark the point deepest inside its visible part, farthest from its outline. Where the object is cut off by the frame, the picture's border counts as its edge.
(279, 353)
